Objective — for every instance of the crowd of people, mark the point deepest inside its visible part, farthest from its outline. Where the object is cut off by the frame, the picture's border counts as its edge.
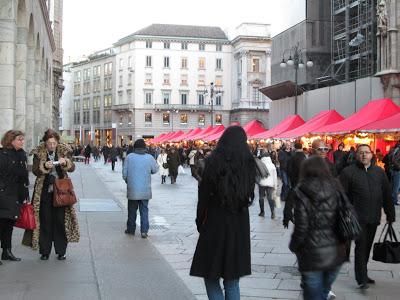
(317, 183)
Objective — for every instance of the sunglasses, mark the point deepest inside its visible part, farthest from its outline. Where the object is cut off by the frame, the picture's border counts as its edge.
(323, 149)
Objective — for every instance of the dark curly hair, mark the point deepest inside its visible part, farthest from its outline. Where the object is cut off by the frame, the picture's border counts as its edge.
(9, 136)
(50, 133)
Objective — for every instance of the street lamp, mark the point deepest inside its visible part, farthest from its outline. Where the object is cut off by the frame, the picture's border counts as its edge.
(297, 62)
(171, 112)
(213, 92)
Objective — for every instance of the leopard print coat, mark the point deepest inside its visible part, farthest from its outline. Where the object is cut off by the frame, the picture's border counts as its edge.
(31, 237)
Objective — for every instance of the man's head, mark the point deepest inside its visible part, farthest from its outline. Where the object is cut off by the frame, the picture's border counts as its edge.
(341, 146)
(288, 146)
(298, 146)
(364, 154)
(319, 148)
(139, 144)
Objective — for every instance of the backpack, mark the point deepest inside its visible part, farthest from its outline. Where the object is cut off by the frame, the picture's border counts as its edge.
(261, 170)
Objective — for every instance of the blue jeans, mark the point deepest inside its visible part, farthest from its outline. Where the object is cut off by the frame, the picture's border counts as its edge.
(317, 284)
(143, 206)
(395, 185)
(214, 291)
(285, 185)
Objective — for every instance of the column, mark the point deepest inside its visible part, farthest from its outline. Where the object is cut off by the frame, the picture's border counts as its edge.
(21, 78)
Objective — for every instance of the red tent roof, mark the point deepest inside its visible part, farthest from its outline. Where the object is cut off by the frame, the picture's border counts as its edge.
(289, 123)
(180, 138)
(215, 136)
(390, 124)
(161, 136)
(154, 140)
(170, 136)
(253, 128)
(189, 135)
(373, 111)
(204, 131)
(214, 130)
(325, 117)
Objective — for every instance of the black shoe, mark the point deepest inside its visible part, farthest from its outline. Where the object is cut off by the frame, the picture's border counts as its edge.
(261, 214)
(61, 257)
(130, 232)
(7, 255)
(144, 235)
(44, 257)
(370, 281)
(1, 263)
(273, 215)
(363, 286)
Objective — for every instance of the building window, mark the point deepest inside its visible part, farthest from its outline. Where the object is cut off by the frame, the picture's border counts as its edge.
(184, 46)
(165, 118)
(77, 105)
(183, 98)
(201, 47)
(166, 61)
(256, 94)
(200, 98)
(218, 48)
(202, 119)
(96, 71)
(77, 76)
(184, 118)
(86, 74)
(148, 97)
(77, 118)
(184, 63)
(148, 61)
(120, 80)
(218, 119)
(130, 118)
(130, 62)
(166, 45)
(148, 78)
(107, 116)
(256, 65)
(86, 104)
(86, 117)
(77, 89)
(218, 64)
(149, 44)
(108, 83)
(240, 66)
(165, 97)
(166, 79)
(107, 101)
(202, 63)
(218, 81)
(129, 79)
(121, 63)
(96, 85)
(184, 79)
(129, 95)
(96, 116)
(108, 69)
(218, 100)
(120, 97)
(96, 102)
(239, 91)
(202, 80)
(148, 118)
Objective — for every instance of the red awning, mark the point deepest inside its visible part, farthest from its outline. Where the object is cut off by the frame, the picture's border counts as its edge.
(391, 124)
(373, 111)
(161, 136)
(203, 132)
(188, 137)
(181, 137)
(214, 130)
(154, 140)
(289, 123)
(253, 128)
(171, 136)
(325, 117)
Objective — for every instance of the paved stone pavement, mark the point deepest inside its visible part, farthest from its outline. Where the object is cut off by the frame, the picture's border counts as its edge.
(275, 276)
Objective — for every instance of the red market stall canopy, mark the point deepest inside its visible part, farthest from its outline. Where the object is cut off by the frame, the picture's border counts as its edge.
(179, 138)
(155, 140)
(373, 111)
(253, 128)
(215, 135)
(170, 137)
(321, 119)
(289, 123)
(214, 130)
(391, 124)
(203, 132)
(186, 137)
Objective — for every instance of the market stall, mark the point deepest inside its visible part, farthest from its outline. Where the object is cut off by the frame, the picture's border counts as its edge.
(289, 123)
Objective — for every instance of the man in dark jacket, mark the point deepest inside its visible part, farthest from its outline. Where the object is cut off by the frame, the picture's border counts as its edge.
(283, 157)
(368, 190)
(338, 158)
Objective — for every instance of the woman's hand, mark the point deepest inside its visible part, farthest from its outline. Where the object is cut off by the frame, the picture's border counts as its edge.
(48, 164)
(62, 161)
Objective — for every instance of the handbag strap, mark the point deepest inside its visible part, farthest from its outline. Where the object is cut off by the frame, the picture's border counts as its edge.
(392, 233)
(383, 229)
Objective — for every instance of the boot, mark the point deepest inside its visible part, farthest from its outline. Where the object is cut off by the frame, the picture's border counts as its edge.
(7, 255)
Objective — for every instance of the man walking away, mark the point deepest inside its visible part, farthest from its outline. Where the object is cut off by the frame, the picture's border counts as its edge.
(136, 172)
(368, 189)
(191, 156)
(88, 151)
(283, 157)
(394, 169)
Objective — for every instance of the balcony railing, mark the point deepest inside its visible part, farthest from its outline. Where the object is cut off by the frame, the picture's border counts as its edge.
(186, 107)
(250, 105)
(121, 107)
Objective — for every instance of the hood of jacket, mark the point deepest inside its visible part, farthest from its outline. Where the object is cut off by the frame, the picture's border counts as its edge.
(316, 189)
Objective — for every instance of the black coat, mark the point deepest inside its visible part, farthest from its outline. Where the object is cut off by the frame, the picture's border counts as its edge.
(368, 190)
(293, 167)
(14, 181)
(339, 160)
(283, 157)
(314, 239)
(223, 248)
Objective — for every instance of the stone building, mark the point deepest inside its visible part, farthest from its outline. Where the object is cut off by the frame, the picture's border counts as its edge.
(26, 68)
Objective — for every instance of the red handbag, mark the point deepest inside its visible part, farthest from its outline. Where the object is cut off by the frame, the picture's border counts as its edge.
(26, 218)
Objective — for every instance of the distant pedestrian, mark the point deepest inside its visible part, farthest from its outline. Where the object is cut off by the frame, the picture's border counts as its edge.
(201, 164)
(14, 182)
(368, 190)
(57, 225)
(173, 164)
(162, 161)
(113, 157)
(225, 193)
(284, 155)
(105, 151)
(136, 173)
(88, 151)
(339, 158)
(267, 186)
(191, 156)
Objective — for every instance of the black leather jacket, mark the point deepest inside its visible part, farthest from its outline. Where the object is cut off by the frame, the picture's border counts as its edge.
(314, 239)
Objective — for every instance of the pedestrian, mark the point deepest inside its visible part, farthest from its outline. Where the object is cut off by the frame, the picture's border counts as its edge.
(284, 155)
(319, 148)
(88, 151)
(105, 151)
(173, 164)
(54, 225)
(162, 161)
(267, 186)
(136, 173)
(368, 189)
(191, 157)
(113, 154)
(315, 240)
(225, 193)
(339, 158)
(200, 164)
(14, 182)
(394, 169)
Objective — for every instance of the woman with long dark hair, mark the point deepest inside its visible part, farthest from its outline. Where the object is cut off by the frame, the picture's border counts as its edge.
(225, 193)
(315, 241)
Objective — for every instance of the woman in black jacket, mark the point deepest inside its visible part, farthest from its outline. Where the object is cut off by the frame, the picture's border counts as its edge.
(225, 192)
(319, 251)
(14, 182)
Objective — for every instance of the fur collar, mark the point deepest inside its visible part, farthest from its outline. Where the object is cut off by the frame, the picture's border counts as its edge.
(62, 150)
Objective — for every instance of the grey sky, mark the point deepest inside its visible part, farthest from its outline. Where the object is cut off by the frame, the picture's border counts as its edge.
(91, 25)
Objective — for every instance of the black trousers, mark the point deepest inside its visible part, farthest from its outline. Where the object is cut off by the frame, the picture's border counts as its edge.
(362, 251)
(266, 191)
(52, 226)
(6, 230)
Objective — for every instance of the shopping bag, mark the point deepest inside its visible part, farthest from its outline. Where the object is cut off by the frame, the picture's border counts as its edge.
(181, 170)
(388, 250)
(26, 218)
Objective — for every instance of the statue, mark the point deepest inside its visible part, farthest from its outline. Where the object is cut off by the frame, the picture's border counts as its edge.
(382, 18)
(382, 38)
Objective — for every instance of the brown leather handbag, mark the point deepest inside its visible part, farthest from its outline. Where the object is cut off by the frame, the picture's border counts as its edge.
(64, 194)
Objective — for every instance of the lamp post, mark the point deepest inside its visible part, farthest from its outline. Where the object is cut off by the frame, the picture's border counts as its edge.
(297, 62)
(212, 93)
(171, 112)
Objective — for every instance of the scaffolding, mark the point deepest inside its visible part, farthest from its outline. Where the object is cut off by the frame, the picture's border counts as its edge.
(353, 39)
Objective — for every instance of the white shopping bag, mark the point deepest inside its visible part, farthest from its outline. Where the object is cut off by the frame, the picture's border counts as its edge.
(181, 170)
